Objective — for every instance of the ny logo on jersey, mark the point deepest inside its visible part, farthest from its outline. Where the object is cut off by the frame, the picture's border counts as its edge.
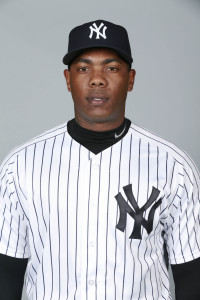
(137, 215)
(97, 30)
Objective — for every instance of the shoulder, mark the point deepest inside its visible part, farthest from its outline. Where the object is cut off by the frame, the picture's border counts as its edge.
(161, 145)
(19, 150)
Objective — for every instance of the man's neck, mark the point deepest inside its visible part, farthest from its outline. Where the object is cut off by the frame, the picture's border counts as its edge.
(98, 125)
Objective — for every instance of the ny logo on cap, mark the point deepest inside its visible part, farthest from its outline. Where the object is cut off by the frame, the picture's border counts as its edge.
(137, 213)
(97, 30)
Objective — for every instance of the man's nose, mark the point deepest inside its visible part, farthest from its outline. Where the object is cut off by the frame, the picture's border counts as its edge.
(97, 79)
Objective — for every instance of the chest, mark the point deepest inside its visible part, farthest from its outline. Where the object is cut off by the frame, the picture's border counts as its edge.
(119, 190)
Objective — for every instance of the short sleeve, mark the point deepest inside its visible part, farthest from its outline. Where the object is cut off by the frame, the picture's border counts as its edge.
(13, 220)
(183, 226)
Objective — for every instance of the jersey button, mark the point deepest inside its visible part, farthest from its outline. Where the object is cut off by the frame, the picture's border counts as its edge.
(95, 165)
(92, 244)
(91, 282)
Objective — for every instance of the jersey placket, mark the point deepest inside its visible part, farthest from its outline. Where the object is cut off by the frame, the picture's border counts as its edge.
(92, 226)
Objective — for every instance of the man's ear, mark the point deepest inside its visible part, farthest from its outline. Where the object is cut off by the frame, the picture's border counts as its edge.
(131, 81)
(67, 78)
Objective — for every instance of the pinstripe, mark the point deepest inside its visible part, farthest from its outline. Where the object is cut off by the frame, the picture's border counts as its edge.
(125, 235)
(25, 245)
(188, 177)
(107, 209)
(141, 269)
(15, 185)
(147, 196)
(157, 166)
(4, 175)
(132, 254)
(124, 260)
(160, 278)
(173, 246)
(195, 223)
(129, 170)
(138, 192)
(138, 189)
(148, 158)
(31, 278)
(88, 225)
(180, 234)
(67, 215)
(18, 180)
(9, 234)
(157, 151)
(33, 269)
(36, 291)
(43, 152)
(158, 273)
(164, 271)
(44, 285)
(32, 234)
(97, 241)
(173, 174)
(119, 178)
(5, 190)
(17, 236)
(28, 291)
(58, 198)
(133, 270)
(188, 234)
(33, 196)
(2, 228)
(50, 250)
(25, 159)
(77, 220)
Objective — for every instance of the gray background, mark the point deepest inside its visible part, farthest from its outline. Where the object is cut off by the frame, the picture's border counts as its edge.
(165, 42)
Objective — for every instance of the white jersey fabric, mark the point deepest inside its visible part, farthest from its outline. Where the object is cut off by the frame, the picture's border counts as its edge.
(72, 213)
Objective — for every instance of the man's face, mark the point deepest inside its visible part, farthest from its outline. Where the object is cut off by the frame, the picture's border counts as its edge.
(99, 81)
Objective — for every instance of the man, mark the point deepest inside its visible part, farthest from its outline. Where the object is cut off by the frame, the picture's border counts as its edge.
(99, 206)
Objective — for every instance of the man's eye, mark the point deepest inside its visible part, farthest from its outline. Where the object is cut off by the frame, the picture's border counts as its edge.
(83, 69)
(113, 68)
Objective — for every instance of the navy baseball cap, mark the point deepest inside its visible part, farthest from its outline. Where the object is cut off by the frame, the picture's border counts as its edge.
(98, 34)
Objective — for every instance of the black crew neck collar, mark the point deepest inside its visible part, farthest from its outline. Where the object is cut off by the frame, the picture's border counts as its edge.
(97, 141)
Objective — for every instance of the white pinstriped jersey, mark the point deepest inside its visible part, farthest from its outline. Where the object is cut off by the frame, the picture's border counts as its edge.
(96, 226)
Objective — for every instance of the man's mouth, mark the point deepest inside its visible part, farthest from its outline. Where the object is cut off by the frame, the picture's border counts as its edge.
(97, 99)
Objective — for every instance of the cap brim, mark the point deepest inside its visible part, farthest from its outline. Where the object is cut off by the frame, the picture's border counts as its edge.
(70, 56)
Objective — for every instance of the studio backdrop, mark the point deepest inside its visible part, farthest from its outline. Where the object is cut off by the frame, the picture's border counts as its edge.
(164, 37)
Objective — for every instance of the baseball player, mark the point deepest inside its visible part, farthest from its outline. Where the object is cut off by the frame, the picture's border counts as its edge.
(98, 207)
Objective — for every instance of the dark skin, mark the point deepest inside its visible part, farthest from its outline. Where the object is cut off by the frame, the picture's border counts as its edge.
(99, 81)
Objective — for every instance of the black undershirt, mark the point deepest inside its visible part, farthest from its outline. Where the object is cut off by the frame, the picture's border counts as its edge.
(97, 141)
(12, 270)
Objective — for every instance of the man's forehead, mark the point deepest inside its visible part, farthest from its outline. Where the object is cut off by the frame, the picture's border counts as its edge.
(98, 54)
